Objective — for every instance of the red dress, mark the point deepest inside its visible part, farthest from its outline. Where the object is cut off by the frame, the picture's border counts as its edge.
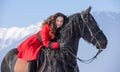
(29, 49)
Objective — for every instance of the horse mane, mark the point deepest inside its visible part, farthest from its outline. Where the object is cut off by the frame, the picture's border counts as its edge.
(70, 24)
(69, 34)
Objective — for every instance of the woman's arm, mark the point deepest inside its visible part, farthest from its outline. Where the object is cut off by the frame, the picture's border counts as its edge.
(45, 38)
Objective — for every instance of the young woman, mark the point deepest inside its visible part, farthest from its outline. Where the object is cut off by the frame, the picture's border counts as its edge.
(28, 50)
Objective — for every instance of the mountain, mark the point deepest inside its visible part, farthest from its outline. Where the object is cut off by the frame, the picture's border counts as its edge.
(108, 21)
(11, 37)
(8, 36)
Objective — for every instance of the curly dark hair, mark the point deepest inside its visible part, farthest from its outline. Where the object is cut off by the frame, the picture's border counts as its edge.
(51, 20)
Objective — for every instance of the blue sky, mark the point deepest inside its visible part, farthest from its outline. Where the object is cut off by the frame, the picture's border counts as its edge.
(25, 12)
(22, 13)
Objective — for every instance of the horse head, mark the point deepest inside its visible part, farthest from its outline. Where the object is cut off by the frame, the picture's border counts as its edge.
(91, 31)
(82, 25)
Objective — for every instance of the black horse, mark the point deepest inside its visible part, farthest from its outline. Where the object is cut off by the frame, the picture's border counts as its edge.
(78, 25)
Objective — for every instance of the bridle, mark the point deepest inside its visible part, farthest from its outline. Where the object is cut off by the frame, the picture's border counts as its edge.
(91, 33)
(93, 37)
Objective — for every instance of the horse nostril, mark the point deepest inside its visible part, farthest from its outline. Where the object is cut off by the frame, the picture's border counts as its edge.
(97, 46)
(104, 44)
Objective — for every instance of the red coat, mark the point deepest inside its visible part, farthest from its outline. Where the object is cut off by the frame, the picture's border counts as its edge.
(29, 49)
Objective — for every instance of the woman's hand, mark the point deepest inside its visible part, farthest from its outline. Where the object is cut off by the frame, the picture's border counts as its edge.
(55, 45)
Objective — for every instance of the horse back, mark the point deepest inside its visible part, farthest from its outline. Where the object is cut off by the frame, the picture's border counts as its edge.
(9, 60)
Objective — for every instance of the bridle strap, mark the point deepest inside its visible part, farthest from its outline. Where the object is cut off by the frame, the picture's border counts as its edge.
(81, 60)
(91, 33)
(84, 22)
(88, 60)
(93, 37)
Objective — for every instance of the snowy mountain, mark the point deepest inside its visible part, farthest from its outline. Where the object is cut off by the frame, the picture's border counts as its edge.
(10, 37)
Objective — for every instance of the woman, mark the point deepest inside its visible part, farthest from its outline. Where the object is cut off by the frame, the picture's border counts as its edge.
(28, 50)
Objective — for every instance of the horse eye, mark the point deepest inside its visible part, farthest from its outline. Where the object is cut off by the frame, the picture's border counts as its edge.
(86, 18)
(84, 15)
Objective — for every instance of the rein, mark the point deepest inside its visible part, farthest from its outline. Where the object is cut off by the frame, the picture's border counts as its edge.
(85, 61)
(44, 62)
(93, 37)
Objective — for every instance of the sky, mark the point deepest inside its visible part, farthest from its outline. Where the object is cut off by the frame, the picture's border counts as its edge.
(23, 13)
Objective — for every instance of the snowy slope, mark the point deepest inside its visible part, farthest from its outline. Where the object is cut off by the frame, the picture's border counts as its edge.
(9, 35)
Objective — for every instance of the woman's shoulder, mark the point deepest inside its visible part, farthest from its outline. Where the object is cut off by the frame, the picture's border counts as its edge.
(46, 26)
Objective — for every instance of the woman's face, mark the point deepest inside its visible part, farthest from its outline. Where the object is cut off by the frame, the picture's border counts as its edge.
(59, 21)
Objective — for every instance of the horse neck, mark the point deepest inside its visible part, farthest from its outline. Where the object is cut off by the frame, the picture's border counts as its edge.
(70, 37)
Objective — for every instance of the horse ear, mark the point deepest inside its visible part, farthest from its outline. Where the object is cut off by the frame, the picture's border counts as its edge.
(89, 9)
